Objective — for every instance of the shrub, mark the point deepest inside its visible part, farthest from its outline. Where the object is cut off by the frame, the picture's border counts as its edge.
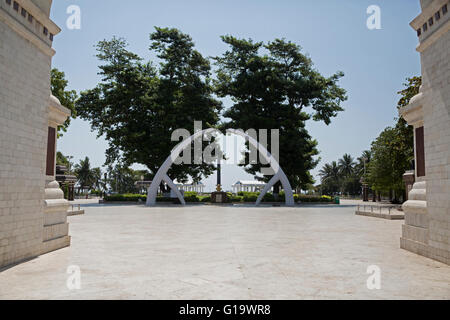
(320, 199)
(126, 197)
(205, 199)
(164, 199)
(191, 198)
(96, 192)
(190, 193)
(251, 196)
(269, 197)
(235, 198)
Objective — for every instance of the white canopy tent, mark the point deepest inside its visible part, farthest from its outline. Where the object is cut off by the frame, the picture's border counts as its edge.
(190, 186)
(248, 186)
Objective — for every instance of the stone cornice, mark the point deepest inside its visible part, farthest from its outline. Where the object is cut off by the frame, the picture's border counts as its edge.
(57, 114)
(40, 16)
(434, 36)
(25, 32)
(413, 112)
(427, 12)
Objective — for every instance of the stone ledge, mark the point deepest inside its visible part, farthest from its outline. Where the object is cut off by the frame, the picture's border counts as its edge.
(425, 250)
(415, 233)
(418, 194)
(381, 215)
(415, 206)
(75, 213)
(55, 244)
(55, 231)
(416, 219)
(56, 217)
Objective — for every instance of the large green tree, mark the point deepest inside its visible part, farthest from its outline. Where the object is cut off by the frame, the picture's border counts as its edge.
(137, 106)
(273, 86)
(393, 150)
(412, 86)
(391, 154)
(66, 97)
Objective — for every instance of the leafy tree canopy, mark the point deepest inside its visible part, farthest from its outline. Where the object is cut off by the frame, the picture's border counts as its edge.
(273, 86)
(62, 160)
(137, 106)
(66, 97)
(393, 150)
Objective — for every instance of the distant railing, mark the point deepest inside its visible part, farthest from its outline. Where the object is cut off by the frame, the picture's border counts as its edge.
(75, 205)
(377, 209)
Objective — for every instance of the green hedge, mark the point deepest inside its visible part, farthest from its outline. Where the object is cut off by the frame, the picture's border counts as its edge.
(126, 197)
(193, 197)
(321, 199)
(269, 197)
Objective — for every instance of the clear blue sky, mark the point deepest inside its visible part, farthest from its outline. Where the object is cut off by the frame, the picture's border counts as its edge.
(332, 32)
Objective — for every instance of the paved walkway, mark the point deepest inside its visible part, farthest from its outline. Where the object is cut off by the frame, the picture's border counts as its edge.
(207, 252)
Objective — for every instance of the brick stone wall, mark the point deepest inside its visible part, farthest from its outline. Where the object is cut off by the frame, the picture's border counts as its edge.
(436, 74)
(427, 212)
(25, 62)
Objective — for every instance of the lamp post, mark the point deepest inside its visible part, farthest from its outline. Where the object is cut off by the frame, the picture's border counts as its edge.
(219, 196)
(219, 178)
(105, 177)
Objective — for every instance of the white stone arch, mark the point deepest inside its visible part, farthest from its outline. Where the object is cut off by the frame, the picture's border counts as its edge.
(161, 175)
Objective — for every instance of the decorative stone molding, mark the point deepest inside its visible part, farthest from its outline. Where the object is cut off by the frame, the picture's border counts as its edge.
(432, 23)
(30, 22)
(57, 114)
(44, 5)
(427, 214)
(434, 36)
(413, 112)
(415, 230)
(56, 229)
(428, 11)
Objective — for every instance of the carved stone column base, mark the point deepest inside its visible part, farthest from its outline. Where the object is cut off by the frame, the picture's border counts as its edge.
(56, 228)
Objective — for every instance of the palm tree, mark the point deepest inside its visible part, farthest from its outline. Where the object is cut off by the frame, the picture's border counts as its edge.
(84, 174)
(331, 177)
(346, 165)
(97, 178)
(363, 162)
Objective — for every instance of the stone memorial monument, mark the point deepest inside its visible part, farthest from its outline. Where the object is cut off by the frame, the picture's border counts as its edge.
(427, 212)
(33, 212)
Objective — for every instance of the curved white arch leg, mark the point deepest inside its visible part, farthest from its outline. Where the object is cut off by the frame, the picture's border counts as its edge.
(280, 176)
(267, 187)
(162, 172)
(289, 196)
(152, 192)
(174, 188)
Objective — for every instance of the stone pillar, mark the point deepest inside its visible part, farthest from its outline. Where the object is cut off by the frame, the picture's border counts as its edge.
(408, 178)
(415, 230)
(56, 228)
(26, 37)
(427, 211)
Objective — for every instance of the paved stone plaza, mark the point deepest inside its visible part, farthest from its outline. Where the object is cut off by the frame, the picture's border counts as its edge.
(206, 252)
